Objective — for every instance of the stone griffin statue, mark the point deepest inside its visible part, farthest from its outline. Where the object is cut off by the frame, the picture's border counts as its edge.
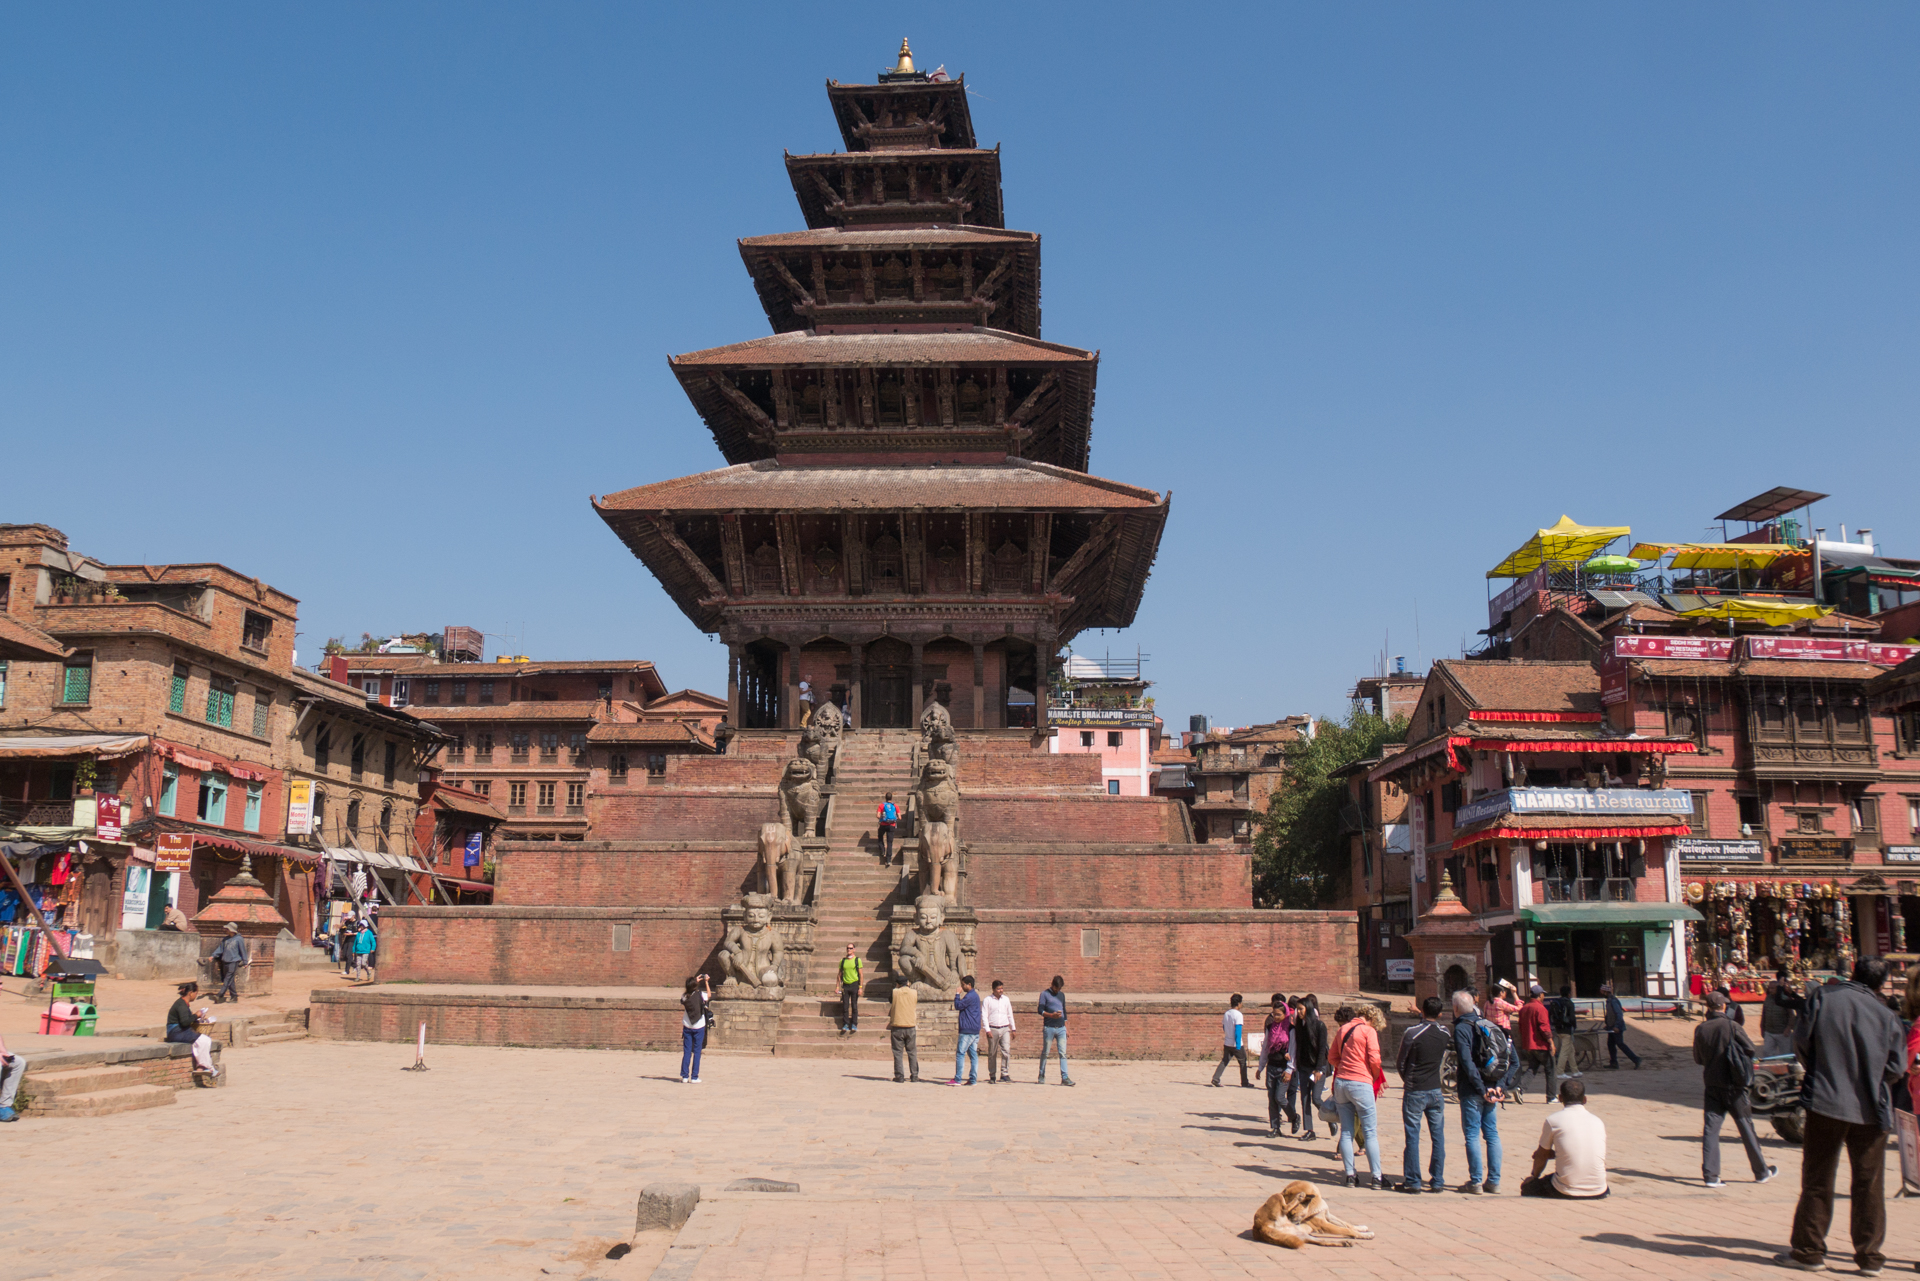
(820, 737)
(751, 954)
(936, 734)
(800, 796)
(939, 794)
(779, 866)
(929, 956)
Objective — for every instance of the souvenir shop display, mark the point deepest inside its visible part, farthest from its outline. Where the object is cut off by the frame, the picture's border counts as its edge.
(1752, 928)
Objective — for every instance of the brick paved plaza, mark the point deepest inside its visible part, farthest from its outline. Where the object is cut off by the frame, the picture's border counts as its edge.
(326, 1160)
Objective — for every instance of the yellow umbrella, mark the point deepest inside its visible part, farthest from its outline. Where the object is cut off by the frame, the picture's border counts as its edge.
(1564, 541)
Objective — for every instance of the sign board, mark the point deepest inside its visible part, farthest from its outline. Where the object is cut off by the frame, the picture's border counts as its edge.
(1575, 800)
(1901, 853)
(299, 807)
(1613, 682)
(1400, 970)
(1703, 647)
(472, 855)
(1815, 849)
(1822, 649)
(173, 852)
(1517, 591)
(1136, 716)
(106, 822)
(1417, 820)
(1697, 849)
(1906, 1129)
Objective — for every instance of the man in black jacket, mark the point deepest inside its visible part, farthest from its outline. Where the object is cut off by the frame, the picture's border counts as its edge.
(1782, 1006)
(1726, 1096)
(1423, 1051)
(1854, 1049)
(1310, 1059)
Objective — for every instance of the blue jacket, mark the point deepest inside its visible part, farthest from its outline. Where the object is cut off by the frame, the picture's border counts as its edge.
(1469, 1078)
(1616, 1019)
(968, 1003)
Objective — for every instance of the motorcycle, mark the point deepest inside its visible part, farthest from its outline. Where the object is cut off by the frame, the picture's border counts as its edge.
(1775, 1095)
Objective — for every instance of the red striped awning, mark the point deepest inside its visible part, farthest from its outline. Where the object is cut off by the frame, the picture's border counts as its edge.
(1568, 834)
(1549, 718)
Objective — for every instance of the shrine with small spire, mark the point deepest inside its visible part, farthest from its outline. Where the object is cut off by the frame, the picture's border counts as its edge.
(907, 514)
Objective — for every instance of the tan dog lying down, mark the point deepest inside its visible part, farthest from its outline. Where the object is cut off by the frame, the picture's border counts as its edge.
(1297, 1215)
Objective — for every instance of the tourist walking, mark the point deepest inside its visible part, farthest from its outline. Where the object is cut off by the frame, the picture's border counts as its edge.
(1276, 1062)
(1616, 1028)
(1575, 1140)
(887, 818)
(1777, 1015)
(183, 1028)
(1853, 1048)
(1536, 1040)
(1737, 1015)
(1233, 1042)
(1354, 1052)
(693, 1027)
(1502, 1005)
(1486, 1068)
(229, 958)
(903, 1024)
(997, 1013)
(851, 969)
(1420, 1062)
(1053, 1028)
(365, 942)
(1725, 1055)
(1309, 1060)
(967, 1049)
(1564, 1015)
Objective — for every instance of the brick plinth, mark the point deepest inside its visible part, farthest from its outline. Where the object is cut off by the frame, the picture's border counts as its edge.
(1170, 951)
(540, 945)
(1131, 820)
(610, 874)
(1089, 875)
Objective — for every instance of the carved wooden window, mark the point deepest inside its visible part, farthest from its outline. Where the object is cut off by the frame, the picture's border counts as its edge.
(810, 404)
(893, 278)
(1807, 823)
(1866, 816)
(893, 406)
(1850, 718)
(973, 399)
(1773, 714)
(946, 569)
(826, 569)
(946, 281)
(766, 569)
(886, 563)
(1009, 568)
(839, 282)
(1807, 718)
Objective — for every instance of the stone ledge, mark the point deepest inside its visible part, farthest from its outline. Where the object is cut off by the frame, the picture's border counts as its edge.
(533, 913)
(1163, 916)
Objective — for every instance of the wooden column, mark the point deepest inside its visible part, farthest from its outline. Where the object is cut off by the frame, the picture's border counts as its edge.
(919, 680)
(733, 686)
(853, 686)
(979, 685)
(790, 699)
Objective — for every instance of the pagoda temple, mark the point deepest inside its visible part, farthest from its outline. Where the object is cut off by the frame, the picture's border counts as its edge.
(907, 514)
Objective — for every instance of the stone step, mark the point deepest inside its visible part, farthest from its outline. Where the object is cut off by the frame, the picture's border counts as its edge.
(51, 1085)
(129, 1098)
(274, 1038)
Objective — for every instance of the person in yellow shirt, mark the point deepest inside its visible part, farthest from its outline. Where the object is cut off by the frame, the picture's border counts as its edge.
(851, 969)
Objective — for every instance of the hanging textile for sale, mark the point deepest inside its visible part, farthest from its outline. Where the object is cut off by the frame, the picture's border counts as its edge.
(61, 867)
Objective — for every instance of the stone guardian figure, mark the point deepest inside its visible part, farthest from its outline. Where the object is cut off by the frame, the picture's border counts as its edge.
(751, 954)
(929, 956)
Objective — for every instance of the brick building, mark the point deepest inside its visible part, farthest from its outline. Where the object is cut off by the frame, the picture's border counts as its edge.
(1379, 864)
(1099, 707)
(1235, 773)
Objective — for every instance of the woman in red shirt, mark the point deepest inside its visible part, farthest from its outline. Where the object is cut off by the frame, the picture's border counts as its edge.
(1353, 1053)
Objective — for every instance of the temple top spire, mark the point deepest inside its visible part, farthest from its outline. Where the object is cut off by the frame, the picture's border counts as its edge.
(904, 67)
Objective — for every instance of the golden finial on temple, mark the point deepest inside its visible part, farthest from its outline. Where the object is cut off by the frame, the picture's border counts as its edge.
(904, 67)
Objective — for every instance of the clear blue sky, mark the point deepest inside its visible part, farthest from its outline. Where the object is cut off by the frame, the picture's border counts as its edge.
(367, 299)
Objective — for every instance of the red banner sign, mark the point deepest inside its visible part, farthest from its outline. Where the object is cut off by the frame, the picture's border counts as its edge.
(106, 823)
(173, 852)
(1706, 647)
(1823, 649)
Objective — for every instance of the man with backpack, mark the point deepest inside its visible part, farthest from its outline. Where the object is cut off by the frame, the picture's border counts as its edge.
(889, 817)
(1721, 1048)
(1564, 1017)
(1486, 1068)
(1422, 1057)
(1616, 1026)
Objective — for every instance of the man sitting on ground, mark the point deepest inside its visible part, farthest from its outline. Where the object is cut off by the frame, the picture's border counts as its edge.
(1575, 1140)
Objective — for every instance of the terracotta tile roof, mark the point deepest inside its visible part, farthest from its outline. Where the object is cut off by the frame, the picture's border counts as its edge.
(504, 671)
(1523, 685)
(768, 486)
(1683, 667)
(1809, 669)
(1837, 621)
(25, 643)
(669, 733)
(977, 346)
(467, 803)
(524, 710)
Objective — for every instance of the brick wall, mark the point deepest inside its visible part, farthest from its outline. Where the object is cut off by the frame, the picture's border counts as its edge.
(564, 873)
(566, 947)
(1132, 820)
(652, 813)
(579, 1022)
(1031, 770)
(1148, 951)
(1158, 876)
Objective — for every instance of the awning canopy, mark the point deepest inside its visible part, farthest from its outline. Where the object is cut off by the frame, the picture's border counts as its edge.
(1717, 555)
(464, 804)
(1571, 827)
(1770, 613)
(41, 747)
(1605, 914)
(1563, 541)
(373, 858)
(259, 849)
(480, 887)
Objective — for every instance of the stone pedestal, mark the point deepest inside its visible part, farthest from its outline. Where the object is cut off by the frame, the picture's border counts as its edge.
(744, 1018)
(794, 923)
(1449, 948)
(242, 901)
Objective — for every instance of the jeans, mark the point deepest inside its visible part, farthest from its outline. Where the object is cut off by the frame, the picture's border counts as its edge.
(1866, 1147)
(850, 1005)
(1055, 1039)
(11, 1070)
(1280, 1099)
(1228, 1053)
(906, 1051)
(202, 1046)
(692, 1041)
(1617, 1045)
(1355, 1101)
(1432, 1105)
(1480, 1120)
(967, 1050)
(1720, 1106)
(999, 1054)
(229, 976)
(1309, 1087)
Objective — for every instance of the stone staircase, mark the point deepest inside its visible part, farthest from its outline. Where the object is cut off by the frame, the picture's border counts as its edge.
(854, 902)
(93, 1091)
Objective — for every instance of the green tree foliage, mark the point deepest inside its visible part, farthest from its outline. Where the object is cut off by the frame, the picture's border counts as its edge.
(1300, 854)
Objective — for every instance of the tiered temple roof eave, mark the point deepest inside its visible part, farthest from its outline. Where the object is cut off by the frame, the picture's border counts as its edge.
(789, 273)
(836, 188)
(856, 107)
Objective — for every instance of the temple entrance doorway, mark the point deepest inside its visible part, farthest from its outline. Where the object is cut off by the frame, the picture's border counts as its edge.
(888, 696)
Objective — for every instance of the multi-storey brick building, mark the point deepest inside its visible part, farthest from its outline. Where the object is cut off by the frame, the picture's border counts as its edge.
(1235, 773)
(1379, 864)
(1100, 708)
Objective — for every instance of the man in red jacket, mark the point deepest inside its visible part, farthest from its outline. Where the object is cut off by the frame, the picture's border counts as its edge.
(1536, 1036)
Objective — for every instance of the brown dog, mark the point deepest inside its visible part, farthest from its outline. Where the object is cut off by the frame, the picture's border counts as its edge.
(1297, 1215)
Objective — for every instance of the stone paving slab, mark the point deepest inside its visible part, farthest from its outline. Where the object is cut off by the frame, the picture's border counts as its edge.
(325, 1160)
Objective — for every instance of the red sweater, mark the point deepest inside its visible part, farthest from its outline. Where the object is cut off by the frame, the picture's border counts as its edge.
(1536, 1029)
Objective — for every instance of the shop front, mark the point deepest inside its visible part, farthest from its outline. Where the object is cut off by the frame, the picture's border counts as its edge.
(1813, 928)
(1634, 946)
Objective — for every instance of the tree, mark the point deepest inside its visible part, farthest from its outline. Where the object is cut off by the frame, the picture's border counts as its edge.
(1300, 855)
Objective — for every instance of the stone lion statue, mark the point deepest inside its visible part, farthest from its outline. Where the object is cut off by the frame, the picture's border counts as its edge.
(751, 954)
(800, 796)
(778, 865)
(938, 868)
(939, 795)
(1297, 1215)
(816, 746)
(930, 957)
